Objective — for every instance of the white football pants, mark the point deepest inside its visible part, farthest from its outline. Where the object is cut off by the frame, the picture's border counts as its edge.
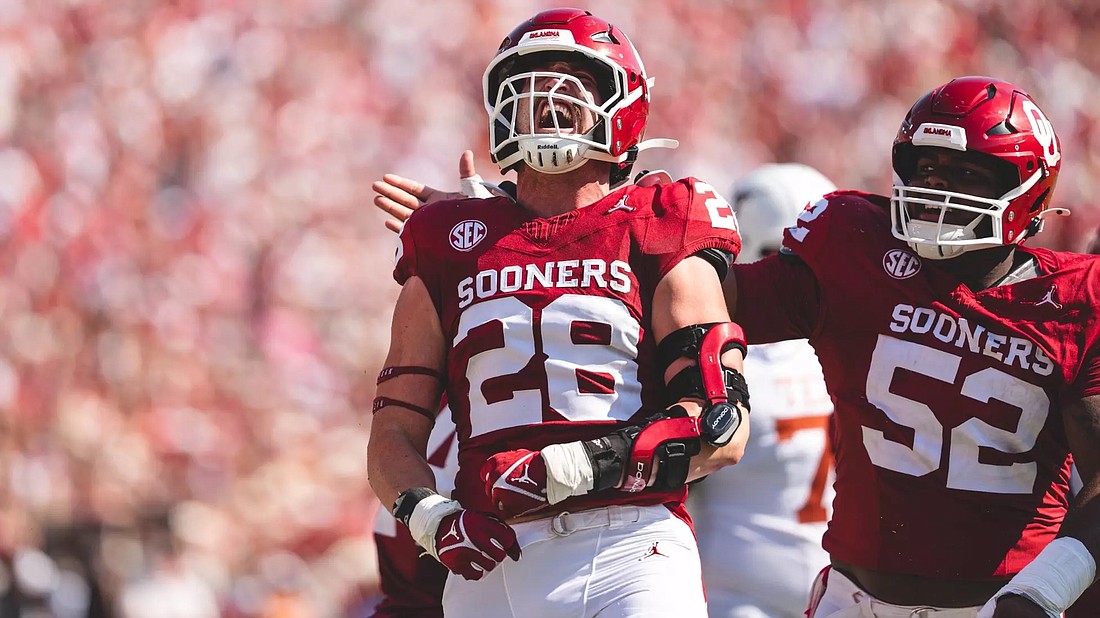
(611, 562)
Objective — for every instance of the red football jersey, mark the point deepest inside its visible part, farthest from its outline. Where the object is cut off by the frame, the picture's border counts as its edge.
(951, 455)
(548, 320)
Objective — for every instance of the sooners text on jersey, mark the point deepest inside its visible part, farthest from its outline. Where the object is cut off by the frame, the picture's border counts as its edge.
(548, 319)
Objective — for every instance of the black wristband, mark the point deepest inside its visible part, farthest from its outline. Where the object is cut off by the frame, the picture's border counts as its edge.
(407, 500)
(608, 456)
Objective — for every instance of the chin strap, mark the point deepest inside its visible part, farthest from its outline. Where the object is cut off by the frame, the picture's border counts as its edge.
(649, 144)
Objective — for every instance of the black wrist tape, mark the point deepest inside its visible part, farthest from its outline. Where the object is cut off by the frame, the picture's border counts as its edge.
(608, 456)
(407, 500)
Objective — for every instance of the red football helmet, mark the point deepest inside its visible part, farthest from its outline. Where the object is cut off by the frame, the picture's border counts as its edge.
(533, 111)
(1003, 127)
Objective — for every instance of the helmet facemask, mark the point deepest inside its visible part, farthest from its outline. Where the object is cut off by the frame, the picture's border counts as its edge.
(948, 236)
(551, 120)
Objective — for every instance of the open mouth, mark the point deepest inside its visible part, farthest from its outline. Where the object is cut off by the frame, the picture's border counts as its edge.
(927, 213)
(953, 217)
(556, 116)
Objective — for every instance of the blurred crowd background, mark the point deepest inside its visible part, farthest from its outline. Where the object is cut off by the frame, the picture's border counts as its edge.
(195, 291)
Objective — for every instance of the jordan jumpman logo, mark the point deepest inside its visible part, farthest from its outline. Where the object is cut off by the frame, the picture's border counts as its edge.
(1049, 299)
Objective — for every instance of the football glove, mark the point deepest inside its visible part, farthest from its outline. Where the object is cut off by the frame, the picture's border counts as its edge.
(515, 482)
(468, 543)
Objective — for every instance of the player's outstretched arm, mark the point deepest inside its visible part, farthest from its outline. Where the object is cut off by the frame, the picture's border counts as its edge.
(398, 196)
(1066, 567)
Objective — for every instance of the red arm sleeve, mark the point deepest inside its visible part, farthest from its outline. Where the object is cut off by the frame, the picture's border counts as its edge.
(778, 298)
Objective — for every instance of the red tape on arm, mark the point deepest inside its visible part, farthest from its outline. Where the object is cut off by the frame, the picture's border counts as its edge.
(389, 373)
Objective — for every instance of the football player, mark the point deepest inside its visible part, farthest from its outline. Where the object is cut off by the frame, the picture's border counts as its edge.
(580, 335)
(963, 364)
(760, 522)
(769, 510)
(1088, 604)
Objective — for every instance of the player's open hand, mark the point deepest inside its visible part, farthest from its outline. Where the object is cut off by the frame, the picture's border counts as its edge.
(399, 197)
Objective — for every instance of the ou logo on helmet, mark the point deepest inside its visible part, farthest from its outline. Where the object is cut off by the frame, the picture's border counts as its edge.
(467, 234)
(1043, 131)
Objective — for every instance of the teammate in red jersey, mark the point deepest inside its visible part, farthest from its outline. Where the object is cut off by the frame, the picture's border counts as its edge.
(964, 367)
(1088, 605)
(580, 335)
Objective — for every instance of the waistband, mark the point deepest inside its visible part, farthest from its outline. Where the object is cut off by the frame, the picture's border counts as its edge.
(566, 523)
(839, 586)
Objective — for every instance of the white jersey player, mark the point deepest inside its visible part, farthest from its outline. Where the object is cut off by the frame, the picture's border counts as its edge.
(760, 522)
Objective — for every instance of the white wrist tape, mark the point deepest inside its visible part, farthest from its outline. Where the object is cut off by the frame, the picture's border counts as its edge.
(568, 471)
(1057, 576)
(425, 519)
(473, 186)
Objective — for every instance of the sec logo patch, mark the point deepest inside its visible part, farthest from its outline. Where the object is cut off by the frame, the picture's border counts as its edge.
(467, 234)
(900, 264)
